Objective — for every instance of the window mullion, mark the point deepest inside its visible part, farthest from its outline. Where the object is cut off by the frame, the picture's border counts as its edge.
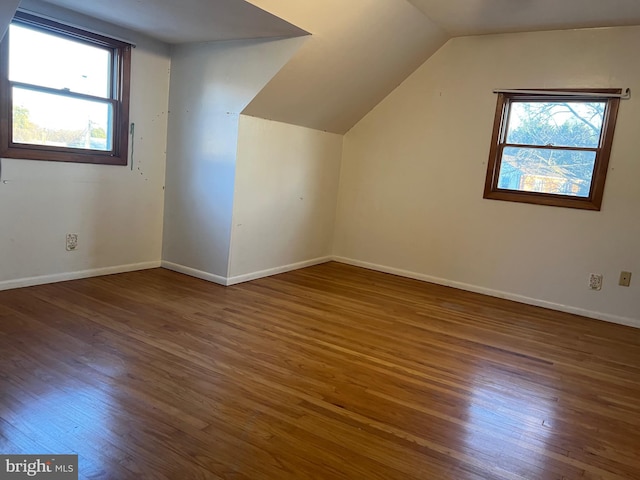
(551, 147)
(62, 92)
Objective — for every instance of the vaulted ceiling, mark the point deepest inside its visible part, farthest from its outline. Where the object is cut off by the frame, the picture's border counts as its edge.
(358, 51)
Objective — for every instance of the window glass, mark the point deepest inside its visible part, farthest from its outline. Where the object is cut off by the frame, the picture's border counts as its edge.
(56, 120)
(48, 60)
(560, 172)
(562, 124)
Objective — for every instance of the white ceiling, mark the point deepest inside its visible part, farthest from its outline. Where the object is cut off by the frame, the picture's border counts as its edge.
(473, 17)
(359, 51)
(186, 21)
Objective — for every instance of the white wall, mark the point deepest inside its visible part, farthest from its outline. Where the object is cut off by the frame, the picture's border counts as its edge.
(414, 169)
(211, 83)
(116, 211)
(285, 198)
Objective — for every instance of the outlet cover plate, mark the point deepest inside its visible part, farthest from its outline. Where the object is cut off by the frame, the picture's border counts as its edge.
(595, 281)
(625, 279)
(72, 241)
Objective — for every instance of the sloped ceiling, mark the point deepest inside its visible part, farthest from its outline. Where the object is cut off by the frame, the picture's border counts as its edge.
(359, 51)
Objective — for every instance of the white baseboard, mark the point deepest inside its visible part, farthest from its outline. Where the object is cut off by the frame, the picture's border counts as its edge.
(631, 322)
(274, 271)
(63, 277)
(228, 281)
(192, 272)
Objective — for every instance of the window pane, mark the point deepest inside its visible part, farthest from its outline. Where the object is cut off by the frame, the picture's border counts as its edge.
(56, 120)
(561, 172)
(561, 124)
(50, 61)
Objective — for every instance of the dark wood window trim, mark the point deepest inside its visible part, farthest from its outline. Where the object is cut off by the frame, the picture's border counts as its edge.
(119, 98)
(603, 151)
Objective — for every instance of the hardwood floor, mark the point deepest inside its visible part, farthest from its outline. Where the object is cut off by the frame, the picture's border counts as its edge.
(331, 372)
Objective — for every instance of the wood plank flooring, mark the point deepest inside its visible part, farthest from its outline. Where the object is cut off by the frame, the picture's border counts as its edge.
(331, 372)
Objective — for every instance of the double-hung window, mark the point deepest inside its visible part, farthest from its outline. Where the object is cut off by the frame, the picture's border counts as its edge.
(552, 148)
(64, 93)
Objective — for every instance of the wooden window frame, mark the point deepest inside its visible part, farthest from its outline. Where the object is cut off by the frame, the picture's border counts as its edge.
(603, 151)
(119, 98)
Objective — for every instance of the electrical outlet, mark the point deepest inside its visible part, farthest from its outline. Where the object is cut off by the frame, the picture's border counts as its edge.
(625, 279)
(72, 241)
(595, 281)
